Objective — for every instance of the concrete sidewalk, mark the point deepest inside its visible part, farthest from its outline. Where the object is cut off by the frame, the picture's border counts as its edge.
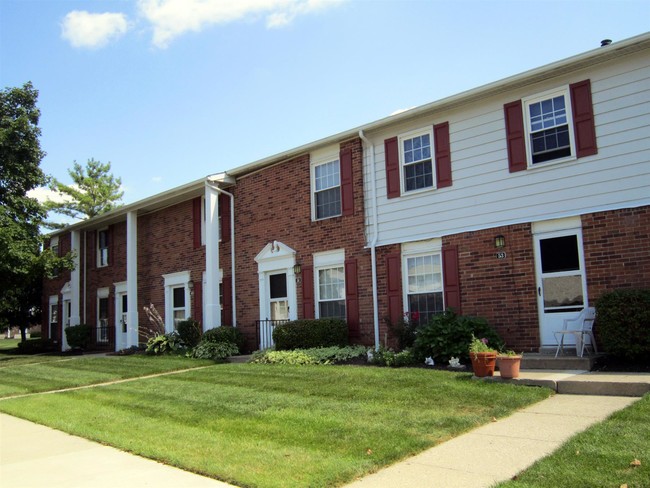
(34, 456)
(498, 451)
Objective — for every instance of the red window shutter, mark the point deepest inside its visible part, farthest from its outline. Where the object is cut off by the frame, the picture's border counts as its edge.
(347, 185)
(451, 280)
(516, 136)
(307, 292)
(226, 309)
(394, 288)
(583, 119)
(443, 154)
(352, 297)
(224, 217)
(196, 221)
(391, 148)
(198, 301)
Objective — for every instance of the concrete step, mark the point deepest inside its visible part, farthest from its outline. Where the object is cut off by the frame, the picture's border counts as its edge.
(565, 362)
(584, 382)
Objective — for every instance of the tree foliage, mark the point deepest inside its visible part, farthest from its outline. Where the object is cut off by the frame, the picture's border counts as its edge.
(93, 192)
(22, 264)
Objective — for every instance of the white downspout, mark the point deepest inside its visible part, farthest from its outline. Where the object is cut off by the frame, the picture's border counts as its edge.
(232, 249)
(375, 237)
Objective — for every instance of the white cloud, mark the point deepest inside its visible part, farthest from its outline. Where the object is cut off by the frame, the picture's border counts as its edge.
(44, 194)
(172, 18)
(86, 30)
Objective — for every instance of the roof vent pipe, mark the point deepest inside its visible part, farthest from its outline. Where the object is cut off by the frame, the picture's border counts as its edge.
(605, 42)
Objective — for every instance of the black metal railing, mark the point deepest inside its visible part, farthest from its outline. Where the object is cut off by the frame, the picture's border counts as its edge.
(265, 332)
(103, 337)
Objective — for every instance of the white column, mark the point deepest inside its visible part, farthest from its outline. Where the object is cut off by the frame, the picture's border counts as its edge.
(131, 279)
(212, 308)
(75, 279)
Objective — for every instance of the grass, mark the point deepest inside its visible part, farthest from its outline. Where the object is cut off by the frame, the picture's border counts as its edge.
(600, 456)
(279, 426)
(33, 374)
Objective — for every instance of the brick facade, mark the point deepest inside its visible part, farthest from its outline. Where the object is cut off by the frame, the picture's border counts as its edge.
(274, 204)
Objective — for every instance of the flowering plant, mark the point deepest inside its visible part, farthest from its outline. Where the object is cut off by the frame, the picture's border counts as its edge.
(479, 345)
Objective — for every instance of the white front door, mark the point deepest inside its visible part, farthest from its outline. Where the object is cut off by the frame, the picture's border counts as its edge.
(561, 280)
(121, 325)
(278, 296)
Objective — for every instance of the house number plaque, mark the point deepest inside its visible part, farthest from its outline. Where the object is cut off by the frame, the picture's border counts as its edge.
(501, 255)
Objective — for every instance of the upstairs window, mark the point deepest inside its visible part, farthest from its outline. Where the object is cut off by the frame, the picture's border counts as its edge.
(549, 134)
(417, 165)
(102, 248)
(327, 190)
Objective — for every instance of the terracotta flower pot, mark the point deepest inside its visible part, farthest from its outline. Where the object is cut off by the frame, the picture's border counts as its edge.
(509, 366)
(483, 363)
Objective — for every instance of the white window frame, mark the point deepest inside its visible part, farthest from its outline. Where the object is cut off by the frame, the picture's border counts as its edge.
(53, 302)
(526, 102)
(402, 138)
(102, 334)
(323, 261)
(54, 245)
(330, 155)
(173, 281)
(100, 262)
(416, 250)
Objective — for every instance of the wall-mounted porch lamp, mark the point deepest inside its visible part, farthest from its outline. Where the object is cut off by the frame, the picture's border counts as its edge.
(296, 269)
(499, 242)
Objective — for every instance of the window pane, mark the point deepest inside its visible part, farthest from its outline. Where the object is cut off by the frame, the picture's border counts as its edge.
(331, 283)
(327, 175)
(103, 308)
(424, 274)
(334, 309)
(278, 284)
(559, 254)
(179, 297)
(418, 175)
(424, 306)
(328, 203)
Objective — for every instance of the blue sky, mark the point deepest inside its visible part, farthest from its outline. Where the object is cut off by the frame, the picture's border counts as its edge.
(170, 91)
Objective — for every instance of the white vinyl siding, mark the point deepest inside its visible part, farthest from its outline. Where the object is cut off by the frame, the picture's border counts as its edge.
(485, 194)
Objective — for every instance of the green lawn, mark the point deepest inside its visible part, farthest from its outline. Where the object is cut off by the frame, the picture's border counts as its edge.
(30, 374)
(279, 426)
(600, 456)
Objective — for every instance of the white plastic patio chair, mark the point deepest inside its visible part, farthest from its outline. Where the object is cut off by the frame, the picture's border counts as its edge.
(583, 328)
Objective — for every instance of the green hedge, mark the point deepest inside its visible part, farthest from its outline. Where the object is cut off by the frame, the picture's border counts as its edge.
(623, 323)
(189, 331)
(306, 334)
(78, 336)
(225, 333)
(448, 335)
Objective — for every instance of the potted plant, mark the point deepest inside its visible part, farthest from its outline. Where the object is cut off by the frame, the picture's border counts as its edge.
(509, 363)
(483, 357)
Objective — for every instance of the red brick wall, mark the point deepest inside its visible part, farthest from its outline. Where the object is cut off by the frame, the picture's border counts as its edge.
(501, 290)
(617, 250)
(53, 287)
(275, 204)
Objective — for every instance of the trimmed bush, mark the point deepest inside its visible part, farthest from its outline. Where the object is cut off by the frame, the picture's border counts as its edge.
(305, 334)
(225, 333)
(448, 335)
(217, 351)
(318, 355)
(78, 336)
(392, 359)
(37, 346)
(623, 323)
(189, 332)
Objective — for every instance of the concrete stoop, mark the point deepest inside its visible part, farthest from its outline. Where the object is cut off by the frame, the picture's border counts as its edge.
(562, 362)
(583, 382)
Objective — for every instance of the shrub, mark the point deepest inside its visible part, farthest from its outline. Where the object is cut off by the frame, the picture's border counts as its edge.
(36, 335)
(392, 359)
(225, 333)
(623, 323)
(78, 336)
(405, 329)
(305, 334)
(217, 351)
(448, 335)
(189, 332)
(164, 344)
(37, 346)
(318, 355)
